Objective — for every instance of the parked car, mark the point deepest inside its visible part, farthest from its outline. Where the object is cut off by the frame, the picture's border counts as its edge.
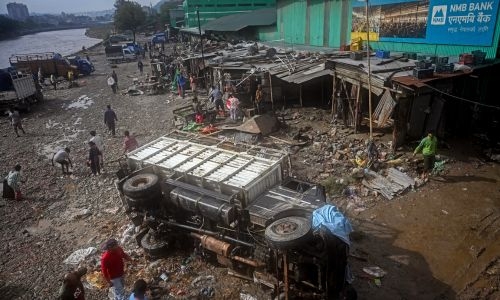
(241, 206)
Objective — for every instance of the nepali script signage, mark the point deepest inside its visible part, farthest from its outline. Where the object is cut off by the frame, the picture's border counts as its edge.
(454, 22)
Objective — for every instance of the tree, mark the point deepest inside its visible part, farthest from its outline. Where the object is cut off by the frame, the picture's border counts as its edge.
(129, 16)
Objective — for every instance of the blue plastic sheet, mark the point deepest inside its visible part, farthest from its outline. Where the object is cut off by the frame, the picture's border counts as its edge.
(330, 217)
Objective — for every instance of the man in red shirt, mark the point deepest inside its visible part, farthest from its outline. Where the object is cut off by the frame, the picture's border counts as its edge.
(112, 267)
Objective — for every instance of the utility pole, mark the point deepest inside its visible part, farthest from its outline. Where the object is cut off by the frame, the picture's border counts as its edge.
(368, 53)
(201, 43)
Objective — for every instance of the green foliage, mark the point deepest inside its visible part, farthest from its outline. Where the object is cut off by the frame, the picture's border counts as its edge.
(129, 16)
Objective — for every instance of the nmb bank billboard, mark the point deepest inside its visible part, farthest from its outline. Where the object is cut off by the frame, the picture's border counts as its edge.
(455, 22)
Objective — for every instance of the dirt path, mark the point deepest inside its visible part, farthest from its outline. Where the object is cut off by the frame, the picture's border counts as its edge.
(433, 242)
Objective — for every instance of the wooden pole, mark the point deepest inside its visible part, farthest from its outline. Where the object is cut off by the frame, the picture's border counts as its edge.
(300, 92)
(356, 114)
(333, 94)
(271, 90)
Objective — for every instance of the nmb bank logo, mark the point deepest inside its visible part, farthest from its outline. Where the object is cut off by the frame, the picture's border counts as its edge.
(439, 14)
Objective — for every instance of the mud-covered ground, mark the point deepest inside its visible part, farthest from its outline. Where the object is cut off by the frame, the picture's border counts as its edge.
(439, 241)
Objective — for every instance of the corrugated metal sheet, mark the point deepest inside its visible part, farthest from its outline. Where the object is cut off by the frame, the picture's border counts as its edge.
(236, 22)
(316, 21)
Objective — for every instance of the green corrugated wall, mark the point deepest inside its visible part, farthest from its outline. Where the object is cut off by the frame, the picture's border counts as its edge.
(316, 21)
(268, 33)
(292, 21)
(328, 23)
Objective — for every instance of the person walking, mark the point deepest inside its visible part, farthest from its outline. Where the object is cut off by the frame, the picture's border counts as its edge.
(129, 142)
(110, 119)
(14, 180)
(140, 65)
(181, 83)
(62, 157)
(216, 96)
(112, 267)
(115, 78)
(94, 161)
(234, 104)
(428, 147)
(72, 287)
(15, 121)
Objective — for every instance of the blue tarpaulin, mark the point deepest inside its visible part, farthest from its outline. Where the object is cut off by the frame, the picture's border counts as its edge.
(330, 217)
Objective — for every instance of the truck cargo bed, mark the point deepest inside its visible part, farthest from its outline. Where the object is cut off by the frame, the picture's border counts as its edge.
(244, 172)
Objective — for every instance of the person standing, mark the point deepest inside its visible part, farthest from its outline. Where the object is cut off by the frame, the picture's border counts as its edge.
(14, 181)
(193, 82)
(140, 65)
(53, 81)
(112, 267)
(40, 76)
(110, 119)
(234, 104)
(259, 97)
(62, 157)
(94, 159)
(428, 147)
(129, 142)
(72, 287)
(181, 83)
(97, 139)
(15, 121)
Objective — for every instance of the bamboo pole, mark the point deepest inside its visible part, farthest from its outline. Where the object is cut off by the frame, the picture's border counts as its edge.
(271, 90)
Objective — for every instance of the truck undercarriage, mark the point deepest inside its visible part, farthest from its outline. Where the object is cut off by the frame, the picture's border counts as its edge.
(238, 205)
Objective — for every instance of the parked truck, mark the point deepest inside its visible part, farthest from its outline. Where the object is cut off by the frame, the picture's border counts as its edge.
(18, 90)
(49, 63)
(239, 205)
(84, 66)
(118, 53)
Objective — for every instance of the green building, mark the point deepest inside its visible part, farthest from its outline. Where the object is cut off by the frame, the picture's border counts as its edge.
(397, 25)
(213, 9)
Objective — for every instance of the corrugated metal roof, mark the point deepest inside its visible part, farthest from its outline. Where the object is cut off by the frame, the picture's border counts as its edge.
(236, 22)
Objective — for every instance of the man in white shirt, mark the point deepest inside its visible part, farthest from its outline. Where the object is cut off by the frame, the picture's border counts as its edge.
(62, 157)
(98, 141)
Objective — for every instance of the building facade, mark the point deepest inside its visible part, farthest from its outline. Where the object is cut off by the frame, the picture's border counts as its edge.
(433, 27)
(213, 9)
(17, 11)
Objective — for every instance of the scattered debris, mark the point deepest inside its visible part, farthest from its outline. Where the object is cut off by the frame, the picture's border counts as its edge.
(79, 255)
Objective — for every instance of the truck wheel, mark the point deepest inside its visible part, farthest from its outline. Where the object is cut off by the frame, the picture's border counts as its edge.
(288, 232)
(142, 186)
(152, 246)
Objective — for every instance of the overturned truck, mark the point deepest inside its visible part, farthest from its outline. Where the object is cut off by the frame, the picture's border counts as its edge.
(241, 206)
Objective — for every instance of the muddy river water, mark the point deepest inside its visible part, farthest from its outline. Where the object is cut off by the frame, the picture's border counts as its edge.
(64, 42)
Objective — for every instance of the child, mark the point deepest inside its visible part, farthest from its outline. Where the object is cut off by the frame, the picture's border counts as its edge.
(13, 180)
(139, 292)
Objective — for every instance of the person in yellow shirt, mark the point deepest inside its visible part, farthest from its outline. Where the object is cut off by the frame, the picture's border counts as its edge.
(428, 147)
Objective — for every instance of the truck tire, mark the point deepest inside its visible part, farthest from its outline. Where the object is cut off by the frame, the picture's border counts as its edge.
(288, 232)
(142, 186)
(153, 246)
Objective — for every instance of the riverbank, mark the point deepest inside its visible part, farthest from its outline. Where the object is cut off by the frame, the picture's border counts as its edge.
(20, 33)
